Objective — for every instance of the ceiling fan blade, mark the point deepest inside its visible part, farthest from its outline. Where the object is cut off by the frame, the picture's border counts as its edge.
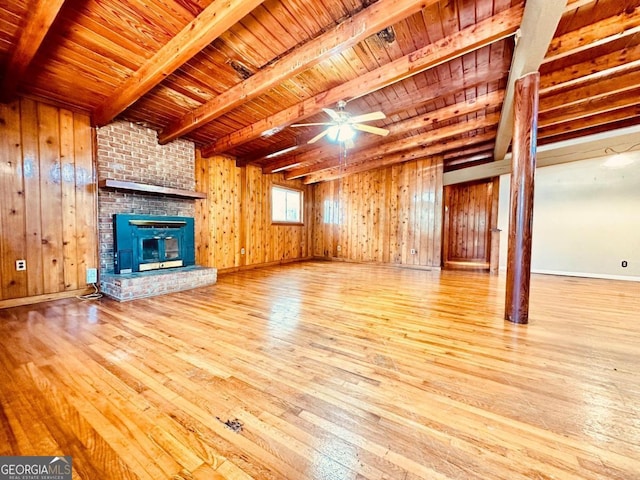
(319, 136)
(370, 129)
(332, 113)
(310, 124)
(367, 117)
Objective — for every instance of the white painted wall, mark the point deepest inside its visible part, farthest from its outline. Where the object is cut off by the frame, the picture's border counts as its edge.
(586, 218)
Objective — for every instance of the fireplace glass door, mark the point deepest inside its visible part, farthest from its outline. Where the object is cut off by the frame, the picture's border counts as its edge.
(150, 249)
(159, 248)
(171, 248)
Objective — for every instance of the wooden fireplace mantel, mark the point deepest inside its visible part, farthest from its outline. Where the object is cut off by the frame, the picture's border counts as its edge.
(146, 188)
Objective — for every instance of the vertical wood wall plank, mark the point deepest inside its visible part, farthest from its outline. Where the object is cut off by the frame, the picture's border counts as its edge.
(364, 208)
(201, 210)
(412, 197)
(238, 220)
(394, 217)
(385, 217)
(320, 213)
(223, 224)
(376, 206)
(51, 197)
(12, 207)
(427, 214)
(494, 248)
(403, 204)
(68, 191)
(345, 215)
(86, 197)
(248, 198)
(419, 226)
(211, 208)
(437, 208)
(267, 235)
(353, 199)
(33, 211)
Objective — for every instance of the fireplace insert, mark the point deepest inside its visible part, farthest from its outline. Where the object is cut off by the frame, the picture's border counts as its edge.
(152, 242)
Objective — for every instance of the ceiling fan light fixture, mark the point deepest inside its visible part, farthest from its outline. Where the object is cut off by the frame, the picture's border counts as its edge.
(341, 133)
(343, 127)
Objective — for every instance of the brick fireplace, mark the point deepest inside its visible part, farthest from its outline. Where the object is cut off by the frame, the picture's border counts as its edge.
(127, 152)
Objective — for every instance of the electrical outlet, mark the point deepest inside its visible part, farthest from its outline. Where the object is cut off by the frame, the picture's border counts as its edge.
(242, 251)
(624, 264)
(413, 251)
(92, 275)
(338, 248)
(21, 265)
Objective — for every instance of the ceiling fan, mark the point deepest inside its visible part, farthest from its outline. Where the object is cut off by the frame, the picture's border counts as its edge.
(342, 126)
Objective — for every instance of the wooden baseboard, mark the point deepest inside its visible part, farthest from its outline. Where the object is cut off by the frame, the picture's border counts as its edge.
(379, 264)
(222, 271)
(17, 302)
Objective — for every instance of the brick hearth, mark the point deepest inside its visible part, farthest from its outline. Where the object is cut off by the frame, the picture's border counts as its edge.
(124, 287)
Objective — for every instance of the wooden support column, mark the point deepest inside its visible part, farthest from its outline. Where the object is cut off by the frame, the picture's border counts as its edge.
(521, 200)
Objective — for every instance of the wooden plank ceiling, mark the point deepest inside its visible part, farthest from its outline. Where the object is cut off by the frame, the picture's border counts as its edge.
(233, 75)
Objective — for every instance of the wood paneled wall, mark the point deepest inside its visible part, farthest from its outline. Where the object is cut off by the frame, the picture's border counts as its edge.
(468, 221)
(382, 215)
(237, 215)
(48, 200)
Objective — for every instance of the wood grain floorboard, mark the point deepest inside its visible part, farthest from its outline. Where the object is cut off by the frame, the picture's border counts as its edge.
(326, 370)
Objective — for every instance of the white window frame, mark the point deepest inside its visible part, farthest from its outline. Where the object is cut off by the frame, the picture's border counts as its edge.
(287, 220)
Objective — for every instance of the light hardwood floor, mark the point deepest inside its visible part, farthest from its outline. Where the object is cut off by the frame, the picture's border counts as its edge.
(330, 371)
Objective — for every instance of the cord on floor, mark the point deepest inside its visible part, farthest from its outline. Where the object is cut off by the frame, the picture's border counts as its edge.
(91, 296)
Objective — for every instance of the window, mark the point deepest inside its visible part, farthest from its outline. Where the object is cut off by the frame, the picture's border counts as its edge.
(286, 205)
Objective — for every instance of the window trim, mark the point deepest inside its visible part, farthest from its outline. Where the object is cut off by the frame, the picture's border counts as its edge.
(291, 189)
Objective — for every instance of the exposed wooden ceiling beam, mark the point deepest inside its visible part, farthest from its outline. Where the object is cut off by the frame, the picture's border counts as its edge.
(589, 107)
(605, 31)
(539, 23)
(429, 138)
(35, 28)
(270, 152)
(418, 122)
(592, 90)
(469, 151)
(611, 65)
(467, 40)
(469, 161)
(212, 22)
(393, 159)
(350, 32)
(618, 78)
(594, 120)
(603, 128)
